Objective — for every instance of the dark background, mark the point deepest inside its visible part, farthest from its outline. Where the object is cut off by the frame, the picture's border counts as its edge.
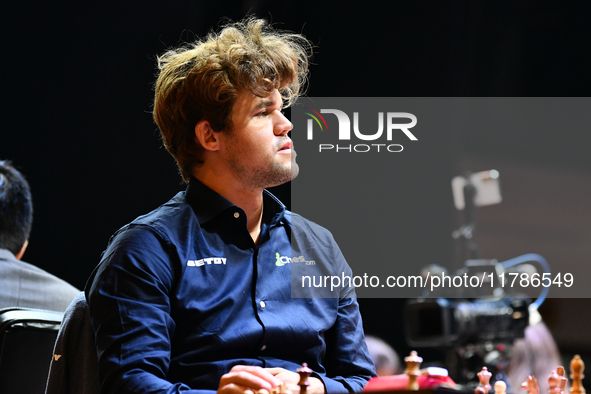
(76, 102)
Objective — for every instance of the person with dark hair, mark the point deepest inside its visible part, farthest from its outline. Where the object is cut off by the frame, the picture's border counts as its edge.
(195, 296)
(22, 284)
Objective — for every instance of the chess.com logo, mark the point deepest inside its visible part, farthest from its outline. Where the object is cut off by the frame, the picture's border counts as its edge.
(389, 122)
(281, 260)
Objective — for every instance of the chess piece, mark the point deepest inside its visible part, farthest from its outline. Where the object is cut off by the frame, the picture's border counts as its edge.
(531, 385)
(500, 387)
(305, 373)
(484, 378)
(553, 383)
(577, 366)
(562, 380)
(413, 361)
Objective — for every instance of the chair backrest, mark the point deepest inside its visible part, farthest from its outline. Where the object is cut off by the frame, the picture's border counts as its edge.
(74, 366)
(27, 337)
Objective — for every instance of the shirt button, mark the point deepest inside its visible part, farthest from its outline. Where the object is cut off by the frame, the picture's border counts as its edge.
(263, 347)
(236, 215)
(262, 304)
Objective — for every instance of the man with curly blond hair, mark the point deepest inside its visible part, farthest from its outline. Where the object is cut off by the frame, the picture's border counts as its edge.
(195, 296)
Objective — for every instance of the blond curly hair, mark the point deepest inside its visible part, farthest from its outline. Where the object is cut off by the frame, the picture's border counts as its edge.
(201, 81)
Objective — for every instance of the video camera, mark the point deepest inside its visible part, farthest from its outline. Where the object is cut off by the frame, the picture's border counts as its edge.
(444, 322)
(474, 325)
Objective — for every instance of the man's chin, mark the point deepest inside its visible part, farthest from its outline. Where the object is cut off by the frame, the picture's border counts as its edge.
(279, 176)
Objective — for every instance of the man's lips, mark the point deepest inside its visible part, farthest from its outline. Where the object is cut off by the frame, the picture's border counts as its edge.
(286, 147)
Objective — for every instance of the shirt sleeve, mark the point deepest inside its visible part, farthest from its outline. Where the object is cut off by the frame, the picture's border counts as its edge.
(129, 297)
(348, 363)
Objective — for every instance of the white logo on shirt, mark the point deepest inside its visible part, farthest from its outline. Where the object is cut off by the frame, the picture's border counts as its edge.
(208, 261)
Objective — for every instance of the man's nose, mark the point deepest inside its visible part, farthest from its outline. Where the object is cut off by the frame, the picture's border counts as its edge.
(282, 125)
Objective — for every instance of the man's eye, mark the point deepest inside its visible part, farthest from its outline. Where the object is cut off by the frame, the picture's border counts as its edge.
(267, 112)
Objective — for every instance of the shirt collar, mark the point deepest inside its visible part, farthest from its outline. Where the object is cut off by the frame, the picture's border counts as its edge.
(208, 204)
(6, 254)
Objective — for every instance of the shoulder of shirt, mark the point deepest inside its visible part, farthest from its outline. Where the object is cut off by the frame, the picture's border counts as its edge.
(166, 218)
(303, 228)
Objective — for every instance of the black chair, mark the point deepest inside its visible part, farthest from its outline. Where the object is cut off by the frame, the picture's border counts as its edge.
(27, 337)
(74, 366)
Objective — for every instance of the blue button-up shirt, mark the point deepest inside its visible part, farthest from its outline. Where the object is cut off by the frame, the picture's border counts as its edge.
(183, 293)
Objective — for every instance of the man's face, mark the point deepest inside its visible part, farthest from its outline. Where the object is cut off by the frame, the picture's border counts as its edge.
(258, 149)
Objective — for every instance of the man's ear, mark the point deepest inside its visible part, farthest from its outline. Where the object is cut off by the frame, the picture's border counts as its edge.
(208, 138)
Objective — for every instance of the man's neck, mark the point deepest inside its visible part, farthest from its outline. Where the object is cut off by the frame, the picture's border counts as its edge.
(251, 201)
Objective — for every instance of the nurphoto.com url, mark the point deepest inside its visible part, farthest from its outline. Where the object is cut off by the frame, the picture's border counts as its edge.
(432, 282)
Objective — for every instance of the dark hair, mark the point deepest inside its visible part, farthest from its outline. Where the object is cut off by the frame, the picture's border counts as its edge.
(16, 208)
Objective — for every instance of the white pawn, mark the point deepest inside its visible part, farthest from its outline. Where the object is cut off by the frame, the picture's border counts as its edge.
(500, 387)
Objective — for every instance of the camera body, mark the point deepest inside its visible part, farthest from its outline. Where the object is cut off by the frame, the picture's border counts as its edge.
(472, 333)
(445, 322)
